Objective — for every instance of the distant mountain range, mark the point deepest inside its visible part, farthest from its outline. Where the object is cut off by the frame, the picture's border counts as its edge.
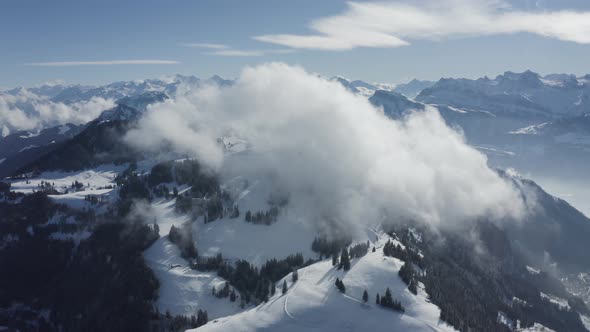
(510, 115)
(63, 93)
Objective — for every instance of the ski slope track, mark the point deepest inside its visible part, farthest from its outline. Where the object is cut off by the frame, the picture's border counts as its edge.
(314, 304)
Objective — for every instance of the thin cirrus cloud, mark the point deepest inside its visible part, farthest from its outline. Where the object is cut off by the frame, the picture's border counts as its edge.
(226, 50)
(395, 24)
(103, 63)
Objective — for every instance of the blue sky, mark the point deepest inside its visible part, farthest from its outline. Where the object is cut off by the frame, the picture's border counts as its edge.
(390, 41)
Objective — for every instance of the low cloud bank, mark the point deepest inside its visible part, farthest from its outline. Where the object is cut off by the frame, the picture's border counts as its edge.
(339, 158)
(28, 111)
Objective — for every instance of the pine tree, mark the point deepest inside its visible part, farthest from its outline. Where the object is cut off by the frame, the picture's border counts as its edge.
(388, 299)
(249, 216)
(344, 260)
(202, 317)
(365, 296)
(377, 299)
(340, 285)
(413, 288)
(273, 288)
(334, 260)
(284, 286)
(232, 296)
(294, 276)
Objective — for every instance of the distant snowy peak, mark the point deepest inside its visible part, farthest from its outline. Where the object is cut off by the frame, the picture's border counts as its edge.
(413, 88)
(361, 87)
(514, 94)
(132, 108)
(68, 94)
(394, 104)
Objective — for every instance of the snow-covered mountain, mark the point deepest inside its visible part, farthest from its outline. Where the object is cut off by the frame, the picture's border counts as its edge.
(160, 238)
(519, 120)
(361, 87)
(67, 94)
(311, 300)
(21, 148)
(524, 94)
(131, 108)
(413, 88)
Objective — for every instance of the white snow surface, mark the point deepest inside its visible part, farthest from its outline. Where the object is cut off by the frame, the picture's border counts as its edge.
(100, 176)
(562, 303)
(532, 270)
(314, 304)
(27, 147)
(182, 290)
(536, 328)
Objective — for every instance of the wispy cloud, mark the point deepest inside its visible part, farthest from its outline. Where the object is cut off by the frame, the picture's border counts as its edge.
(232, 52)
(103, 63)
(226, 50)
(396, 23)
(206, 45)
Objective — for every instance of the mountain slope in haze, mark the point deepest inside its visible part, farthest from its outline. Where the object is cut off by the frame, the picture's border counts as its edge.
(574, 130)
(522, 121)
(524, 94)
(360, 87)
(99, 142)
(21, 148)
(413, 88)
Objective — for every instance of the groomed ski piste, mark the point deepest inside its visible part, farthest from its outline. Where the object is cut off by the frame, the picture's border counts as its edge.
(313, 303)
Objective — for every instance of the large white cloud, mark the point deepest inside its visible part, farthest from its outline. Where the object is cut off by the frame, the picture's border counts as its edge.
(338, 156)
(396, 23)
(28, 111)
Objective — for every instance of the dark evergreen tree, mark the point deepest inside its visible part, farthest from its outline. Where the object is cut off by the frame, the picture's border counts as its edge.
(377, 299)
(202, 317)
(294, 276)
(340, 285)
(365, 296)
(284, 287)
(344, 260)
(413, 288)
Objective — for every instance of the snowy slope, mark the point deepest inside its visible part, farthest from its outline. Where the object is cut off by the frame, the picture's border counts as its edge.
(184, 291)
(237, 239)
(314, 304)
(91, 179)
